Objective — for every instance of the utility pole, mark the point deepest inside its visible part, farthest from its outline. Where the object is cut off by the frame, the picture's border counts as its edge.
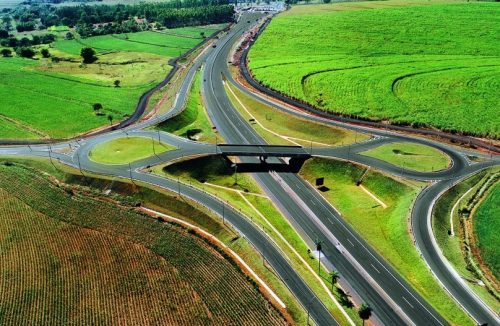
(223, 213)
(50, 157)
(79, 164)
(130, 171)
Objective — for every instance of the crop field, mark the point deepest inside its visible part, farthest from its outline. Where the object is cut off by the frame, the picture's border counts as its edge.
(55, 99)
(407, 64)
(383, 227)
(96, 263)
(127, 149)
(169, 45)
(486, 226)
(411, 156)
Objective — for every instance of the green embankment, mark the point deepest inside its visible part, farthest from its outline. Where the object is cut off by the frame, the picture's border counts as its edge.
(486, 223)
(127, 149)
(455, 247)
(411, 156)
(193, 122)
(412, 62)
(385, 228)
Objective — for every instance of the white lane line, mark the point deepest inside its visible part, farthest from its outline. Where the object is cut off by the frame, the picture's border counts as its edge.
(373, 196)
(454, 208)
(407, 302)
(375, 268)
(352, 244)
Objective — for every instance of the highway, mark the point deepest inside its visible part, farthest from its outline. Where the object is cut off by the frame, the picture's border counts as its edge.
(362, 269)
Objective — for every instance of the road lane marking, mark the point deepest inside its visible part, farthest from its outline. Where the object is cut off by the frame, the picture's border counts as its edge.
(374, 267)
(408, 302)
(373, 196)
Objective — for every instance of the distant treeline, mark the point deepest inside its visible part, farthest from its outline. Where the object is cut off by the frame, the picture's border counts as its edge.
(170, 18)
(171, 14)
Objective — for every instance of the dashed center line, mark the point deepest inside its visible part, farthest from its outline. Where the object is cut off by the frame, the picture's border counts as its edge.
(374, 267)
(407, 302)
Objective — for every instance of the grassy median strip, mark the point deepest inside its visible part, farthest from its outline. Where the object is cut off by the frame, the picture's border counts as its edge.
(127, 149)
(193, 122)
(411, 156)
(386, 229)
(280, 128)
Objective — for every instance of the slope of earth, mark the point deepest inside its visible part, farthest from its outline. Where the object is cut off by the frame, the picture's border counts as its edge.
(434, 65)
(68, 258)
(486, 225)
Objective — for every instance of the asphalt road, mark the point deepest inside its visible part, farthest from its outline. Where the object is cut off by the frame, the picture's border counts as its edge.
(365, 272)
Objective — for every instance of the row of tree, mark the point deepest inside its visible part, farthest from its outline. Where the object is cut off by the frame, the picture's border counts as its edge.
(10, 41)
(25, 52)
(85, 14)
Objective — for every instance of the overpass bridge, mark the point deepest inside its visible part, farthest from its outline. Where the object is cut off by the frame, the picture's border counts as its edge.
(295, 156)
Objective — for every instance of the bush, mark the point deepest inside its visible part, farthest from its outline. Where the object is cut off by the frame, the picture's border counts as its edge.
(6, 53)
(88, 55)
(25, 52)
(45, 53)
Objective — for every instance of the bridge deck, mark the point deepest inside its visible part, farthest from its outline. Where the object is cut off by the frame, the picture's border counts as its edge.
(262, 150)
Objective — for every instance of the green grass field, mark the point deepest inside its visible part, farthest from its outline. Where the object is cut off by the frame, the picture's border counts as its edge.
(486, 226)
(280, 128)
(55, 98)
(432, 65)
(98, 263)
(385, 228)
(411, 156)
(193, 122)
(149, 42)
(127, 149)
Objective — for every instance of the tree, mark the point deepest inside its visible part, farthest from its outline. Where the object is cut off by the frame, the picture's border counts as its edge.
(318, 249)
(202, 34)
(6, 53)
(4, 33)
(110, 119)
(25, 52)
(97, 107)
(334, 277)
(88, 55)
(327, 1)
(45, 53)
(365, 312)
(116, 83)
